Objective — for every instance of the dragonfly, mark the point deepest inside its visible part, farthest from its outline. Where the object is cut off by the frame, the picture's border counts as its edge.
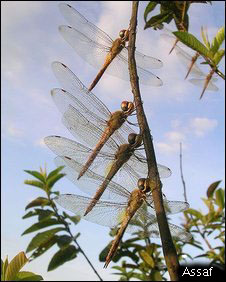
(200, 79)
(125, 205)
(120, 160)
(90, 115)
(99, 50)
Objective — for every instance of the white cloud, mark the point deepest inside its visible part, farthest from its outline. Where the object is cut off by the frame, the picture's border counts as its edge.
(11, 131)
(175, 136)
(201, 126)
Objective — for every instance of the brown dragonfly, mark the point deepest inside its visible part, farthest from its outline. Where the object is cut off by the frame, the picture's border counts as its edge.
(89, 116)
(131, 207)
(99, 50)
(121, 161)
(199, 78)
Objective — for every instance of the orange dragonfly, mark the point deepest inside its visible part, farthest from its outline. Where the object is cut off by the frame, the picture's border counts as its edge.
(90, 115)
(125, 205)
(119, 162)
(99, 50)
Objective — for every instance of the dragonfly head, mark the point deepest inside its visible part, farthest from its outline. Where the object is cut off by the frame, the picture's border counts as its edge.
(143, 185)
(124, 34)
(135, 139)
(127, 107)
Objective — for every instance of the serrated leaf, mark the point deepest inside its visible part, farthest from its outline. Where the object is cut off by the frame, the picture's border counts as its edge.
(28, 276)
(41, 224)
(55, 172)
(40, 201)
(35, 183)
(218, 40)
(36, 174)
(44, 247)
(52, 180)
(156, 20)
(15, 265)
(150, 7)
(192, 42)
(220, 198)
(212, 188)
(147, 258)
(42, 238)
(218, 56)
(62, 256)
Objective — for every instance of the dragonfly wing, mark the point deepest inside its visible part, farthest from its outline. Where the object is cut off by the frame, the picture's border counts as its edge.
(143, 61)
(104, 212)
(119, 68)
(142, 168)
(146, 223)
(63, 99)
(90, 181)
(201, 82)
(65, 147)
(86, 131)
(79, 22)
(76, 88)
(91, 51)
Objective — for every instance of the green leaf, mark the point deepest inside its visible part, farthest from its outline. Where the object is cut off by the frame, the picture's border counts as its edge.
(40, 201)
(55, 172)
(104, 252)
(53, 179)
(192, 42)
(156, 20)
(150, 7)
(218, 40)
(147, 258)
(63, 240)
(15, 265)
(212, 188)
(156, 276)
(220, 198)
(42, 238)
(62, 256)
(195, 213)
(41, 224)
(4, 268)
(44, 247)
(36, 174)
(28, 276)
(35, 183)
(218, 56)
(75, 219)
(205, 38)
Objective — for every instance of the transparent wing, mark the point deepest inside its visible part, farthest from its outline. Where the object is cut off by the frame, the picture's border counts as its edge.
(95, 54)
(79, 22)
(146, 223)
(142, 168)
(104, 213)
(90, 182)
(201, 82)
(84, 101)
(143, 61)
(62, 146)
(87, 132)
(78, 92)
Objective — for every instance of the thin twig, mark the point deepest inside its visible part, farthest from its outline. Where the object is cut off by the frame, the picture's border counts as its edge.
(156, 185)
(202, 234)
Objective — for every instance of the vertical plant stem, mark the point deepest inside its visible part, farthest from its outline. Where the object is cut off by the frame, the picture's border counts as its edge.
(167, 243)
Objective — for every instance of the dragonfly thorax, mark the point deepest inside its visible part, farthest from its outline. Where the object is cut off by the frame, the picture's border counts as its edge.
(116, 120)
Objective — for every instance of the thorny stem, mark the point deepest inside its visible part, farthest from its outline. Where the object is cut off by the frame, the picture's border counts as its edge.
(184, 185)
(167, 243)
(64, 222)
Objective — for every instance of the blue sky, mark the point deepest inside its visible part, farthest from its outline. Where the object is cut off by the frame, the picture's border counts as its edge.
(30, 42)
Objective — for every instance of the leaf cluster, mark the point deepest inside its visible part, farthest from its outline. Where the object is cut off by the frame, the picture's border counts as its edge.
(47, 216)
(10, 271)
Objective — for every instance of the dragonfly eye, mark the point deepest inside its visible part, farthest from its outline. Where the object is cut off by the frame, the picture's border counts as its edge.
(132, 138)
(143, 185)
(127, 106)
(122, 33)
